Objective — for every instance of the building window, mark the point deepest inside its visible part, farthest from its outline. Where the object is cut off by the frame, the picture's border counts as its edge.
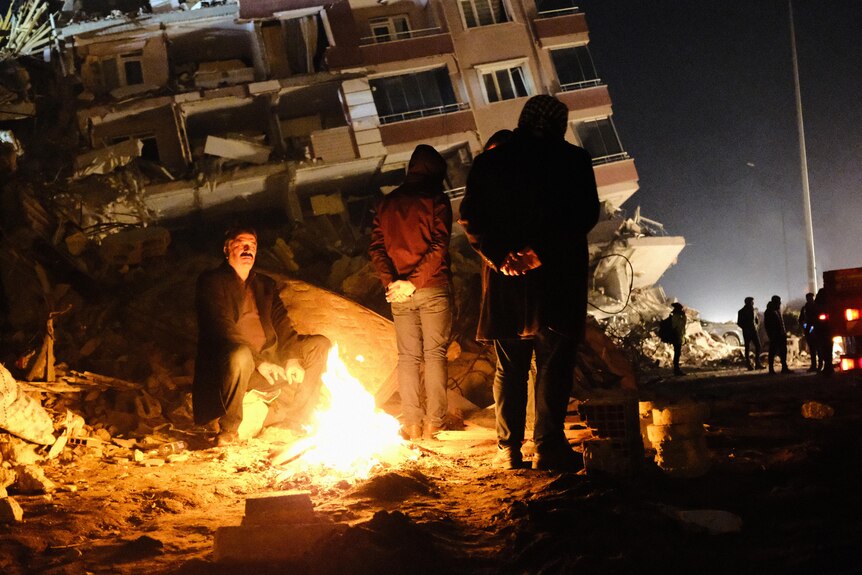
(390, 28)
(574, 68)
(599, 138)
(415, 95)
(483, 12)
(505, 80)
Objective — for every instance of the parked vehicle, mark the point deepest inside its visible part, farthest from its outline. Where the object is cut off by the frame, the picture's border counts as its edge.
(843, 291)
(726, 331)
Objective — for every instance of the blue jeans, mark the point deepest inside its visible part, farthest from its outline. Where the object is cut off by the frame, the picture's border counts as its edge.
(423, 324)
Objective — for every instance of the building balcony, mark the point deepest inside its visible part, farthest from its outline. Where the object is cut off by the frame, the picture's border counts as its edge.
(616, 179)
(426, 124)
(585, 99)
(556, 24)
(406, 46)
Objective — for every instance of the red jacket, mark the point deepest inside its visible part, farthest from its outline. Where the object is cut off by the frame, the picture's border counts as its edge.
(412, 228)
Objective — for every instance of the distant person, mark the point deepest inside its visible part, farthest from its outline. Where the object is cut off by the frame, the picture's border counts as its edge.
(822, 333)
(678, 321)
(528, 207)
(410, 253)
(749, 322)
(246, 341)
(777, 334)
(807, 320)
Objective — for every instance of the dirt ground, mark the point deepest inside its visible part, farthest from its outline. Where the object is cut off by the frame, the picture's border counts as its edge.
(792, 481)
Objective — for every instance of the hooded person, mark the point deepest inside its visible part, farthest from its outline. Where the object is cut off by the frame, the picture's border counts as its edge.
(410, 253)
(528, 206)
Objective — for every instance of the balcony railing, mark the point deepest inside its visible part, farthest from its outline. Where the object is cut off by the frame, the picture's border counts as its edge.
(572, 86)
(598, 160)
(406, 35)
(560, 8)
(424, 113)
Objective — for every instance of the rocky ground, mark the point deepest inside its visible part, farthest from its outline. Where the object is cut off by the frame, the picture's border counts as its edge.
(781, 496)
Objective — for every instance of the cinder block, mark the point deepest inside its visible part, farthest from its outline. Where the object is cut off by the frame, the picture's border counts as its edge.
(279, 507)
(269, 543)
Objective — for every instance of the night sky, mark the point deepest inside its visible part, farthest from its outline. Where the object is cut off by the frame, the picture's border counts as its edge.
(704, 101)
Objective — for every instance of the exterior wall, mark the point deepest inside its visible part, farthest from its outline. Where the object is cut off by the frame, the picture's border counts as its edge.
(158, 122)
(154, 59)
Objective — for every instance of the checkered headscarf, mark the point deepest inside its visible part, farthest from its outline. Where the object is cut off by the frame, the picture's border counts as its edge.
(544, 115)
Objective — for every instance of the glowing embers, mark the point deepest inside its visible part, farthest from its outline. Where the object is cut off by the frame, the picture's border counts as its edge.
(349, 435)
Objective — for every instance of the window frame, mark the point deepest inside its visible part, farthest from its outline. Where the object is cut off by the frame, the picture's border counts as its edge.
(392, 28)
(493, 68)
(507, 12)
(608, 156)
(586, 83)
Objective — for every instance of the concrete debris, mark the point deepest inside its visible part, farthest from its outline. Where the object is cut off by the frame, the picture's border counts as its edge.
(32, 479)
(22, 415)
(236, 149)
(10, 511)
(677, 435)
(106, 160)
(711, 521)
(817, 410)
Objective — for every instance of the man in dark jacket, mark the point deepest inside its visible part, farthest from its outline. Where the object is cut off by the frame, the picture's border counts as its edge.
(529, 205)
(410, 253)
(678, 321)
(747, 320)
(246, 341)
(777, 334)
(807, 320)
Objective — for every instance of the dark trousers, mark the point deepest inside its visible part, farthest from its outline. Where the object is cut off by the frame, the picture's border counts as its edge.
(811, 342)
(295, 402)
(555, 363)
(753, 340)
(677, 352)
(777, 347)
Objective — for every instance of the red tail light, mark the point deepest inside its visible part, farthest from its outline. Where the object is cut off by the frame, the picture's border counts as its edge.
(848, 363)
(823, 316)
(851, 314)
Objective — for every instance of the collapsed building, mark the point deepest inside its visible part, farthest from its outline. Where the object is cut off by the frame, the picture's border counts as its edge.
(312, 108)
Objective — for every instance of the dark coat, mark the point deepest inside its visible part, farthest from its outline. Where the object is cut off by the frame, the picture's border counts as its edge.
(774, 323)
(219, 297)
(539, 193)
(746, 319)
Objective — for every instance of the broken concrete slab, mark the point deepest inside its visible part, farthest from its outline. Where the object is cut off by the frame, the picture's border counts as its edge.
(279, 507)
(106, 160)
(10, 511)
(235, 149)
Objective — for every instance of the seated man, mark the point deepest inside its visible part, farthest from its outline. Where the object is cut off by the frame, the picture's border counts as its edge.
(246, 341)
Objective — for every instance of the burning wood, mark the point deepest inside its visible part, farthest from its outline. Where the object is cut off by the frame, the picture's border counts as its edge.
(349, 435)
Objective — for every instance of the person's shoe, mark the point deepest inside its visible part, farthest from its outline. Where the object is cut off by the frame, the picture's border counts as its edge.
(509, 458)
(412, 432)
(226, 438)
(678, 372)
(562, 458)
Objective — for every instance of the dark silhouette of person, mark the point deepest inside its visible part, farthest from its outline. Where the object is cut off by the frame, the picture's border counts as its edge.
(678, 321)
(748, 322)
(823, 333)
(246, 341)
(807, 319)
(528, 207)
(777, 334)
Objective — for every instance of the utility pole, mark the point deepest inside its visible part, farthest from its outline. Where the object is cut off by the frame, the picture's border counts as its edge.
(803, 161)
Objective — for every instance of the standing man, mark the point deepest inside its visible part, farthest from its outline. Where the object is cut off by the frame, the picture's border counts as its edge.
(777, 334)
(529, 205)
(678, 321)
(410, 253)
(748, 322)
(246, 341)
(807, 319)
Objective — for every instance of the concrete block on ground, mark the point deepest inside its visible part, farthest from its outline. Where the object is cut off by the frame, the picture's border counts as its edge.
(279, 507)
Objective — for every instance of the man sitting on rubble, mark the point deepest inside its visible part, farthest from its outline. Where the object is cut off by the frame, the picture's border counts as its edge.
(246, 341)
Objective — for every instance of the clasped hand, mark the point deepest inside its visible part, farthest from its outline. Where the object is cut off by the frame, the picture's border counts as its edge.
(520, 262)
(399, 291)
(292, 372)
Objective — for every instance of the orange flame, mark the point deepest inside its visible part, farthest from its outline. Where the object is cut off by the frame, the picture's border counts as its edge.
(350, 435)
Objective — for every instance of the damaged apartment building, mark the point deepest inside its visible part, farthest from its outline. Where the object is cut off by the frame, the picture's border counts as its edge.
(313, 107)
